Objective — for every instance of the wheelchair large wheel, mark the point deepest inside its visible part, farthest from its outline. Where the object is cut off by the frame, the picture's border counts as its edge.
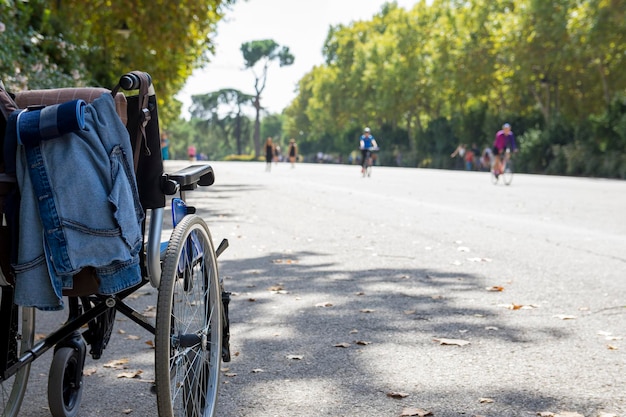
(188, 337)
(20, 340)
(65, 386)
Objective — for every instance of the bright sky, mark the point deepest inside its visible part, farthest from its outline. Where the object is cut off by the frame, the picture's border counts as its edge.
(301, 25)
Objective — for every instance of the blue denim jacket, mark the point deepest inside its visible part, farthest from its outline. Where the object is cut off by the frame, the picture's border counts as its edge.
(80, 207)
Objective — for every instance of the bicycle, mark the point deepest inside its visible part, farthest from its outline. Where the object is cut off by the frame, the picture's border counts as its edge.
(368, 162)
(506, 172)
(191, 328)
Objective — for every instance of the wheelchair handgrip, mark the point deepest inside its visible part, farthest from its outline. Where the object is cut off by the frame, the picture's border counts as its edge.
(131, 81)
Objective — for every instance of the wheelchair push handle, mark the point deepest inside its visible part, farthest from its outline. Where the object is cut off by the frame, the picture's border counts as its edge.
(131, 81)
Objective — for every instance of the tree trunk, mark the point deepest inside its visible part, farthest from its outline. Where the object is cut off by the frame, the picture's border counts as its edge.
(257, 128)
(605, 84)
(238, 133)
(545, 110)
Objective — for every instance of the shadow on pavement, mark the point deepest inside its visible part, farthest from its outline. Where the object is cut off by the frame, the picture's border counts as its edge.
(290, 315)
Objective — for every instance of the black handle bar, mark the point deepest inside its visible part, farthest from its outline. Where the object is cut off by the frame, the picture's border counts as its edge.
(131, 81)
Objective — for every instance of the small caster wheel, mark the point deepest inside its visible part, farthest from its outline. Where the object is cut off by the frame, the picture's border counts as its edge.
(65, 382)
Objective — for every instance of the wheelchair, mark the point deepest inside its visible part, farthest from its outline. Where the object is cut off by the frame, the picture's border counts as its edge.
(191, 328)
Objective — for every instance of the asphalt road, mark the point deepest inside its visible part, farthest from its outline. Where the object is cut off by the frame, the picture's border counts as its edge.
(410, 290)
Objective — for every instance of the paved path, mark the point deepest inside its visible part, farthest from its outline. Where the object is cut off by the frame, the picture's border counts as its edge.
(392, 268)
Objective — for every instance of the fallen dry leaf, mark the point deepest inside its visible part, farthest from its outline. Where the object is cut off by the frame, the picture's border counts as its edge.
(257, 370)
(127, 411)
(612, 347)
(408, 412)
(479, 259)
(138, 294)
(607, 415)
(491, 328)
(130, 374)
(284, 261)
(456, 342)
(568, 414)
(89, 371)
(397, 395)
(545, 414)
(564, 317)
(324, 304)
(230, 374)
(121, 331)
(409, 312)
(486, 400)
(353, 331)
(366, 310)
(276, 288)
(360, 293)
(252, 299)
(342, 345)
(150, 311)
(495, 288)
(295, 357)
(116, 363)
(514, 306)
(363, 342)
(150, 343)
(132, 337)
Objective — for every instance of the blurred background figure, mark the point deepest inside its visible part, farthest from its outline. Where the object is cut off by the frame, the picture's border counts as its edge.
(165, 146)
(293, 152)
(270, 151)
(191, 152)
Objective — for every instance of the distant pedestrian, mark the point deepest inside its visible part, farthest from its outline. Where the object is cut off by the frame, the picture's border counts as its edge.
(459, 156)
(486, 159)
(269, 154)
(277, 154)
(469, 159)
(191, 152)
(293, 152)
(165, 146)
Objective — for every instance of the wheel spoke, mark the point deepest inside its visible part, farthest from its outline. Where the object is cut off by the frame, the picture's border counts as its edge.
(189, 308)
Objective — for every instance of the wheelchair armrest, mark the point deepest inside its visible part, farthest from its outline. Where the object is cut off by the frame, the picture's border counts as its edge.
(193, 175)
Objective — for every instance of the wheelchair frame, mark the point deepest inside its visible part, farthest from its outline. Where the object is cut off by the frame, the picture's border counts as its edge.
(188, 352)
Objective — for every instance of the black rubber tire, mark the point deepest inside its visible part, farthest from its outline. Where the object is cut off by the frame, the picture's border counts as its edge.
(65, 389)
(12, 389)
(507, 176)
(189, 303)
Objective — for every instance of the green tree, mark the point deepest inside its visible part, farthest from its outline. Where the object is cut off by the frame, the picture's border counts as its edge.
(223, 108)
(65, 42)
(258, 55)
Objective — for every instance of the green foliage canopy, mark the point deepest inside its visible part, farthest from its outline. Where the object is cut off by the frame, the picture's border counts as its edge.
(92, 42)
(470, 65)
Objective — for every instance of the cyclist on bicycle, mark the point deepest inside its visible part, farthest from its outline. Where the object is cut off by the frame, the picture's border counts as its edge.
(503, 145)
(366, 144)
